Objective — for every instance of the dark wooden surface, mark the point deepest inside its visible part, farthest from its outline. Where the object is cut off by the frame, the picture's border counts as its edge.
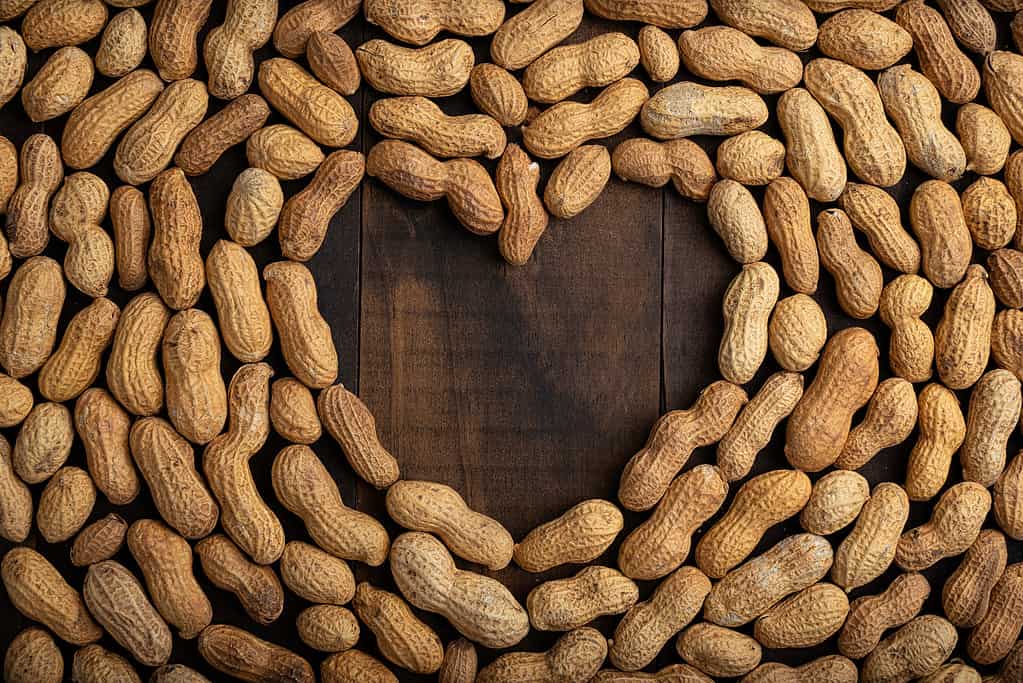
(527, 389)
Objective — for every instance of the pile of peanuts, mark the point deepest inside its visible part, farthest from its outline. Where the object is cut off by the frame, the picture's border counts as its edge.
(162, 393)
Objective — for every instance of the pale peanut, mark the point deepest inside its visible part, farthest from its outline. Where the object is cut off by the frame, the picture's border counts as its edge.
(530, 33)
(328, 628)
(76, 363)
(984, 137)
(864, 39)
(228, 49)
(911, 346)
(718, 651)
(55, 23)
(577, 181)
(967, 592)
(954, 525)
(942, 430)
(230, 126)
(253, 206)
(941, 60)
(834, 503)
(721, 53)
(806, 619)
(317, 110)
(499, 94)
(119, 603)
(123, 44)
(783, 22)
(595, 63)
(962, 340)
(797, 332)
(811, 153)
(437, 70)
(869, 549)
(132, 373)
(401, 636)
(687, 109)
(734, 215)
(304, 335)
(936, 214)
(916, 649)
(752, 158)
(421, 121)
(293, 412)
(65, 504)
(569, 603)
(40, 172)
(658, 54)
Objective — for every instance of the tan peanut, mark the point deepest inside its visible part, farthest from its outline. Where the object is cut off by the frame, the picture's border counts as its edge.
(167, 463)
(797, 332)
(962, 340)
(317, 110)
(574, 658)
(304, 487)
(1005, 341)
(577, 181)
(942, 430)
(228, 49)
(580, 535)
(1014, 182)
(747, 307)
(673, 673)
(658, 54)
(99, 541)
(439, 509)
(241, 655)
(327, 628)
(352, 425)
(123, 45)
(479, 608)
(748, 591)
(1005, 268)
(595, 63)
(8, 183)
(56, 23)
(470, 192)
(939, 223)
(459, 664)
(315, 575)
(89, 261)
(44, 442)
(1008, 502)
(15, 500)
(663, 14)
(132, 372)
(811, 153)
(304, 335)
(33, 657)
(567, 604)
(971, 24)
(525, 220)
(497, 93)
(76, 362)
(79, 203)
(858, 277)
(15, 401)
(954, 525)
(306, 216)
(718, 651)
(967, 592)
(875, 213)
(175, 265)
(871, 615)
(40, 172)
(253, 206)
(421, 121)
(59, 86)
(437, 70)
(722, 53)
(806, 619)
(12, 65)
(916, 649)
(295, 26)
(990, 213)
(911, 346)
(651, 163)
(196, 395)
(993, 414)
(230, 126)
(941, 60)
(65, 504)
(829, 668)
(118, 602)
(834, 503)
(354, 666)
(752, 429)
(984, 137)
(648, 625)
(889, 420)
(333, 62)
(752, 158)
(872, 147)
(762, 502)
(734, 215)
(796, 31)
(995, 635)
(1002, 74)
(864, 39)
(284, 151)
(914, 105)
(566, 125)
(130, 218)
(293, 412)
(534, 31)
(687, 109)
(256, 586)
(172, 36)
(165, 559)
(93, 125)
(672, 440)
(956, 672)
(96, 664)
(869, 549)
(242, 314)
(401, 636)
(1011, 666)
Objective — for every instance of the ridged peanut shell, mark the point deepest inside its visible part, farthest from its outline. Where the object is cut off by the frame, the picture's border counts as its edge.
(315, 575)
(984, 137)
(811, 153)
(256, 586)
(717, 651)
(253, 206)
(834, 503)
(942, 429)
(293, 412)
(532, 32)
(401, 636)
(594, 63)
(687, 109)
(498, 93)
(65, 504)
(889, 420)
(437, 70)
(333, 62)
(239, 654)
(566, 604)
(230, 126)
(99, 541)
(871, 615)
(577, 181)
(76, 363)
(353, 426)
(916, 649)
(327, 628)
(962, 340)
(33, 657)
(304, 335)
(59, 85)
(806, 619)
(579, 536)
(317, 110)
(242, 314)
(43, 443)
(797, 332)
(870, 547)
(119, 603)
(967, 592)
(576, 656)
(751, 158)
(941, 60)
(864, 39)
(123, 45)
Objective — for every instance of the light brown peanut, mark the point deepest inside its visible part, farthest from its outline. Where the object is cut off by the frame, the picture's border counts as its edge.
(43, 443)
(834, 503)
(317, 110)
(576, 656)
(497, 93)
(123, 45)
(577, 181)
(971, 24)
(130, 218)
(942, 430)
(76, 362)
(132, 372)
(595, 63)
(811, 153)
(304, 335)
(876, 214)
(718, 651)
(532, 32)
(59, 86)
(196, 395)
(673, 673)
(806, 619)
(401, 636)
(172, 36)
(284, 151)
(954, 525)
(752, 429)
(33, 657)
(995, 635)
(99, 541)
(421, 121)
(1002, 73)
(936, 214)
(65, 504)
(797, 332)
(255, 586)
(911, 346)
(525, 220)
(15, 401)
(658, 54)
(1008, 501)
(858, 277)
(871, 615)
(40, 172)
(228, 49)
(12, 65)
(327, 628)
(56, 23)
(315, 575)
(747, 307)
(722, 53)
(419, 28)
(1011, 666)
(735, 217)
(994, 411)
(175, 265)
(864, 39)
(241, 312)
(230, 126)
(1006, 334)
(990, 213)
(664, 14)
(16, 500)
(253, 206)
(796, 31)
(333, 62)
(437, 70)
(984, 137)
(829, 668)
(651, 163)
(80, 202)
(967, 592)
(89, 261)
(8, 183)
(355, 666)
(580, 535)
(293, 412)
(752, 158)
(1005, 268)
(96, 664)
(869, 549)
(350, 422)
(687, 109)
(567, 604)
(306, 18)
(889, 420)
(962, 340)
(241, 655)
(460, 663)
(941, 60)
(916, 649)
(118, 602)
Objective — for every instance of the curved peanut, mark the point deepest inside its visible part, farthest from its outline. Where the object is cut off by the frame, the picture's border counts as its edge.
(99, 541)
(79, 203)
(687, 109)
(942, 430)
(116, 598)
(40, 172)
(304, 335)
(1002, 74)
(806, 619)
(911, 347)
(33, 657)
(59, 85)
(834, 503)
(421, 121)
(1008, 501)
(941, 60)
(577, 181)
(580, 535)
(352, 425)
(971, 24)
(293, 412)
(984, 137)
(752, 158)
(421, 25)
(96, 664)
(990, 213)
(89, 261)
(315, 575)
(532, 32)
(752, 430)
(175, 265)
(889, 420)
(811, 153)
(797, 332)
(437, 70)
(864, 39)
(747, 305)
(651, 163)
(306, 216)
(962, 340)
(327, 628)
(239, 654)
(255, 586)
(8, 183)
(595, 63)
(76, 362)
(869, 549)
(228, 49)
(401, 636)
(718, 651)
(525, 220)
(355, 666)
(782, 22)
(44, 442)
(317, 110)
(833, 668)
(995, 635)
(954, 525)
(132, 372)
(967, 592)
(916, 649)
(28, 330)
(567, 604)
(65, 504)
(672, 440)
(38, 591)
(734, 215)
(858, 277)
(123, 45)
(295, 26)
(870, 616)
(722, 53)
(333, 62)
(575, 657)
(993, 414)
(196, 395)
(658, 54)
(230, 126)
(242, 313)
(787, 217)
(172, 36)
(253, 206)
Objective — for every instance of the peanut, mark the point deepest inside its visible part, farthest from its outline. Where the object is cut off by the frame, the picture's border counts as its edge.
(43, 443)
(566, 125)
(663, 14)
(175, 265)
(306, 216)
(955, 672)
(8, 183)
(12, 9)
(285, 152)
(914, 105)
(295, 26)
(967, 592)
(230, 126)
(479, 608)
(595, 63)
(997, 632)
(497, 93)
(241, 655)
(797, 332)
(577, 181)
(834, 503)
(196, 396)
(747, 307)
(165, 559)
(317, 110)
(580, 535)
(1005, 341)
(911, 347)
(89, 261)
(33, 657)
(459, 662)
(672, 440)
(687, 109)
(857, 274)
(748, 591)
(532, 32)
(354, 666)
(130, 218)
(16, 500)
(41, 172)
(228, 49)
(304, 487)
(872, 615)
(118, 602)
(1014, 182)
(56, 23)
(316, 576)
(872, 147)
(941, 60)
(1008, 490)
(811, 153)
(293, 412)
(352, 425)
(1011, 667)
(889, 420)
(575, 658)
(954, 525)
(1005, 267)
(59, 86)
(1002, 73)
(806, 619)
(993, 414)
(942, 430)
(94, 124)
(735, 217)
(984, 137)
(751, 431)
(718, 651)
(419, 120)
(99, 541)
(123, 44)
(65, 504)
(401, 636)
(327, 628)
(148, 146)
(96, 664)
(916, 649)
(658, 54)
(661, 544)
(752, 158)
(256, 586)
(242, 313)
(650, 163)
(76, 362)
(517, 177)
(132, 373)
(12, 65)
(172, 36)
(962, 340)
(167, 463)
(253, 206)
(762, 502)
(437, 70)
(990, 213)
(869, 549)
(864, 39)
(304, 335)
(831, 668)
(971, 24)
(939, 223)
(333, 63)
(721, 53)
(567, 604)
(80, 202)
(15, 401)
(673, 673)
